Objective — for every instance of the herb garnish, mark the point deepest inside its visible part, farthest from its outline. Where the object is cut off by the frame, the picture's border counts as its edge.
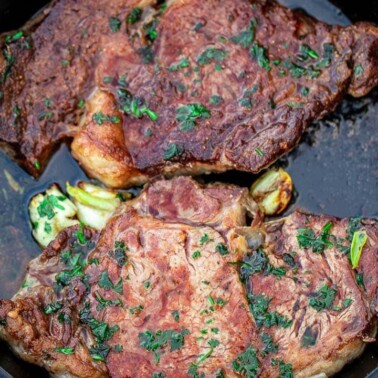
(286, 370)
(134, 16)
(247, 363)
(99, 352)
(147, 54)
(134, 106)
(183, 63)
(64, 318)
(307, 52)
(102, 331)
(156, 341)
(222, 249)
(120, 253)
(46, 207)
(196, 254)
(323, 298)
(172, 151)
(269, 345)
(328, 50)
(136, 310)
(258, 262)
(66, 351)
(211, 54)
(100, 118)
(52, 308)
(259, 53)
(105, 302)
(358, 70)
(307, 239)
(215, 99)
(176, 315)
(259, 307)
(245, 37)
(188, 114)
(204, 239)
(114, 24)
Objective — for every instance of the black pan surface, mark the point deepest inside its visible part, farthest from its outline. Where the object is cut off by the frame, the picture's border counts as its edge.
(334, 171)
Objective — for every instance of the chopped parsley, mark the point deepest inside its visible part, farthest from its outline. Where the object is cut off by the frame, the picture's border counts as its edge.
(204, 239)
(246, 363)
(328, 50)
(323, 298)
(258, 262)
(259, 307)
(147, 54)
(52, 308)
(286, 370)
(150, 30)
(37, 165)
(188, 115)
(120, 253)
(360, 280)
(46, 207)
(157, 341)
(66, 351)
(134, 16)
(114, 24)
(308, 53)
(269, 345)
(64, 318)
(134, 106)
(172, 151)
(100, 118)
(136, 310)
(99, 352)
(306, 239)
(105, 302)
(196, 254)
(158, 375)
(215, 99)
(259, 53)
(259, 152)
(245, 37)
(176, 315)
(102, 331)
(222, 249)
(183, 63)
(210, 55)
(358, 70)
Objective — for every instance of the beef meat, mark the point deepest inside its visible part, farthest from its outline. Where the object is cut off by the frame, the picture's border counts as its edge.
(157, 291)
(177, 285)
(302, 271)
(189, 87)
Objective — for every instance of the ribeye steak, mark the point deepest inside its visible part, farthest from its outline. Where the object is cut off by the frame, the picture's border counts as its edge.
(190, 86)
(177, 285)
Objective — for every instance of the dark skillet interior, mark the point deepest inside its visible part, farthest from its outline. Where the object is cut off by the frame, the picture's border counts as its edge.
(334, 171)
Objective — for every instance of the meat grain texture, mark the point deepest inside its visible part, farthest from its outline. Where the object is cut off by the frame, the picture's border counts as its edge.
(178, 284)
(187, 87)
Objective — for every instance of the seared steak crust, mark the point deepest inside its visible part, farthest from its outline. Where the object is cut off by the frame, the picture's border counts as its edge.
(263, 73)
(177, 285)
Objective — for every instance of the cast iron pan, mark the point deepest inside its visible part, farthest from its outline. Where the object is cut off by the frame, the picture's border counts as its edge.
(334, 170)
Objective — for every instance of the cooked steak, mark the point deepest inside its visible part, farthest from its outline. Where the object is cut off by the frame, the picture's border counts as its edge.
(188, 87)
(160, 294)
(302, 271)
